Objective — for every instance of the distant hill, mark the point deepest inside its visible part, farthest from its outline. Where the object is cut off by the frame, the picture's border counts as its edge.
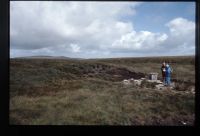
(46, 57)
(122, 60)
(114, 58)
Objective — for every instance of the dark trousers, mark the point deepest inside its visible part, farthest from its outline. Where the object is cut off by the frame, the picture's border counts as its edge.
(163, 77)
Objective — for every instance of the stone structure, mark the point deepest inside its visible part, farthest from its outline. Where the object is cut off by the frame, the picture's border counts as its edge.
(153, 76)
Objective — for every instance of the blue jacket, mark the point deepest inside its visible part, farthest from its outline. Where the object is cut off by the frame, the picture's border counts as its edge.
(168, 72)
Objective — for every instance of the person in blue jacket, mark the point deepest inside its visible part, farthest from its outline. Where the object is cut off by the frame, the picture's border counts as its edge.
(168, 72)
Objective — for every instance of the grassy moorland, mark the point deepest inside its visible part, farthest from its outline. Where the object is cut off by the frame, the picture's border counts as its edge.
(90, 92)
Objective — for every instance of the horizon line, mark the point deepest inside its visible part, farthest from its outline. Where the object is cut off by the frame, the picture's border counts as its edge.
(99, 57)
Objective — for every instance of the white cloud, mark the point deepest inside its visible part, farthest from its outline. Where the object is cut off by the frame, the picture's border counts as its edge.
(179, 41)
(182, 35)
(36, 25)
(181, 27)
(143, 40)
(75, 48)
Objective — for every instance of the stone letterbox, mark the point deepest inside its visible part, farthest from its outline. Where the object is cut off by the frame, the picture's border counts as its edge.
(153, 76)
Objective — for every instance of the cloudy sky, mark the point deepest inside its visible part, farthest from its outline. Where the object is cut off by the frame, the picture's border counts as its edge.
(102, 29)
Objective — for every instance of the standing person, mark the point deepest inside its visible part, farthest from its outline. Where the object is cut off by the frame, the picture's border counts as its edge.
(168, 71)
(163, 71)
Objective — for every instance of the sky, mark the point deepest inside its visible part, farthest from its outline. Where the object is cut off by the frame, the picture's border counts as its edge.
(101, 29)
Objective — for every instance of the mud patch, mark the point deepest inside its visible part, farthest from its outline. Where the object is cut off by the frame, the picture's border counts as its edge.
(110, 73)
(122, 73)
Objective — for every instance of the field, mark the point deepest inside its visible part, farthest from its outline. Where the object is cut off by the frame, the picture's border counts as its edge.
(90, 92)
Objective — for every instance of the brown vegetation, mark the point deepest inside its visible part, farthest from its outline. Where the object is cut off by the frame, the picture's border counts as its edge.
(90, 92)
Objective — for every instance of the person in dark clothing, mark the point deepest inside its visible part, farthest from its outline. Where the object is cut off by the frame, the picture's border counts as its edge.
(163, 68)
